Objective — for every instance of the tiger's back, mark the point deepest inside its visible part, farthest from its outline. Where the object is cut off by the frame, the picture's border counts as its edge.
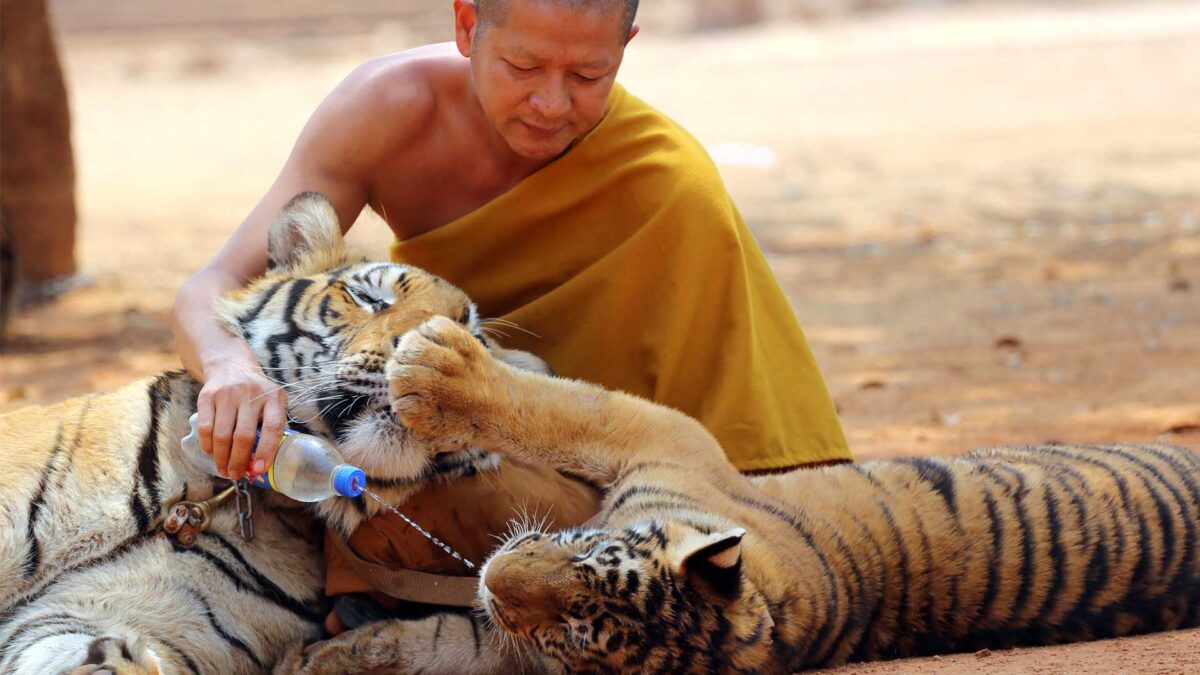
(1013, 546)
(907, 557)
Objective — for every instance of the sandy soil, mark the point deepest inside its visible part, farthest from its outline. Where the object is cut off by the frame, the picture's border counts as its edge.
(988, 220)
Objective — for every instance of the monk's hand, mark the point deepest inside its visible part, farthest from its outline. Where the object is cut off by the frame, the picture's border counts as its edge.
(445, 386)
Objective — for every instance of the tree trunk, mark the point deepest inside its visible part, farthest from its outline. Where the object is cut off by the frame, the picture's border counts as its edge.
(37, 169)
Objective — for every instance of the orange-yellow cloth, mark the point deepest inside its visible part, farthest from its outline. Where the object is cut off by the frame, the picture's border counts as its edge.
(628, 259)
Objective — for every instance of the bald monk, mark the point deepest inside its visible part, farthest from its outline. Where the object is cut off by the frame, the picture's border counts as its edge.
(512, 164)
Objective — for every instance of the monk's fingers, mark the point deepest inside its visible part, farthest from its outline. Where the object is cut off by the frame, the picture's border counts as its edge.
(245, 436)
(224, 422)
(205, 415)
(274, 423)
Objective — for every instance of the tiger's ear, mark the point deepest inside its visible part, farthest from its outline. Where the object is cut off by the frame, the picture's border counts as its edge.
(714, 558)
(306, 237)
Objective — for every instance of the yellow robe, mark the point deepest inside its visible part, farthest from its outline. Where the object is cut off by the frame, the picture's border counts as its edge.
(628, 260)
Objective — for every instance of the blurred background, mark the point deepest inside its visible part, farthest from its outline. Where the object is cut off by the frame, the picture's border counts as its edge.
(985, 213)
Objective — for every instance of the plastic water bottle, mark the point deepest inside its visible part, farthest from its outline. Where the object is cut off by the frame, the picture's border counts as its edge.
(306, 468)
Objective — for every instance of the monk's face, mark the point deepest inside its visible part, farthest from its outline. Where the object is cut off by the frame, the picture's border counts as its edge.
(544, 71)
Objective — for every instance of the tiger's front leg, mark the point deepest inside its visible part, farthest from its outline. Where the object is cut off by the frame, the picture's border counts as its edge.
(450, 392)
(443, 643)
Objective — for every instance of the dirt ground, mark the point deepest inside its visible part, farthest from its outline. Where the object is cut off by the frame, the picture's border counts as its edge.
(987, 218)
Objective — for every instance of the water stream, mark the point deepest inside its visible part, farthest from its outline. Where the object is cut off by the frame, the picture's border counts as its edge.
(437, 542)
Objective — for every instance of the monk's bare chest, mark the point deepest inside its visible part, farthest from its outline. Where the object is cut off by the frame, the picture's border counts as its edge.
(421, 191)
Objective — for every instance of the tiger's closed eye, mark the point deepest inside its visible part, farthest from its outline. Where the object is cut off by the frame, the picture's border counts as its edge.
(580, 557)
(365, 300)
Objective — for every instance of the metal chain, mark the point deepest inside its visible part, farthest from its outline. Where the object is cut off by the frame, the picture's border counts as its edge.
(245, 507)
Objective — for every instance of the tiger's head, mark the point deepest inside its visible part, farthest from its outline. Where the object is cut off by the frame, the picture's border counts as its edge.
(655, 597)
(324, 322)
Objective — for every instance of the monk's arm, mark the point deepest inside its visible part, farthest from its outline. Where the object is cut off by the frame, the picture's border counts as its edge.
(334, 155)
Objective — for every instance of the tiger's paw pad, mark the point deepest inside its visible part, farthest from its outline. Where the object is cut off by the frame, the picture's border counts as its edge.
(440, 380)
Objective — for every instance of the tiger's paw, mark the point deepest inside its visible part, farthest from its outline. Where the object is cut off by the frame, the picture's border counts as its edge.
(351, 652)
(111, 655)
(291, 661)
(444, 385)
(327, 657)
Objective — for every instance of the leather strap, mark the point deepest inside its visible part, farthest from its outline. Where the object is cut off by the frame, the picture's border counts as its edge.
(430, 589)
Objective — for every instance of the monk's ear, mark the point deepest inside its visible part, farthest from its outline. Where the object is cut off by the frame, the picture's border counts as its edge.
(306, 237)
(466, 23)
(715, 559)
(633, 30)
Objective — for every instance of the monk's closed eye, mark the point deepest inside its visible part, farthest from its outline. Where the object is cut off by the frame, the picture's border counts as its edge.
(519, 69)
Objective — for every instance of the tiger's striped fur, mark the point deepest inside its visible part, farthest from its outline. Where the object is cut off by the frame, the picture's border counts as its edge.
(691, 567)
(85, 573)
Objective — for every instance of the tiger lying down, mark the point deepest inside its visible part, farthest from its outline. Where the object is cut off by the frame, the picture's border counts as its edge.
(87, 577)
(689, 566)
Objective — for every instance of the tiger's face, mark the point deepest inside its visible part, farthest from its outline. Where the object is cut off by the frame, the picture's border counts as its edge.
(659, 597)
(324, 324)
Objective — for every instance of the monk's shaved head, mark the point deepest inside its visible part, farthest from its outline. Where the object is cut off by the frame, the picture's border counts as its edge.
(494, 12)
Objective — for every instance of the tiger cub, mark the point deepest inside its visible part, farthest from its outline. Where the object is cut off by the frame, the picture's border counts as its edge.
(87, 577)
(691, 567)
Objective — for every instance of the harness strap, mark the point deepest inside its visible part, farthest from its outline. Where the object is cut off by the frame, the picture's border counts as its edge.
(411, 585)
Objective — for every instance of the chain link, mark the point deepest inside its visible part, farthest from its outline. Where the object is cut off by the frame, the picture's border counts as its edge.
(245, 507)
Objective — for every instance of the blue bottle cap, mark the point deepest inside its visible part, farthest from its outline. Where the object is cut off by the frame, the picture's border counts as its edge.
(349, 481)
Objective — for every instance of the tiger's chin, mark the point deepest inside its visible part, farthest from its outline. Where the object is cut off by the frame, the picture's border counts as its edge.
(547, 635)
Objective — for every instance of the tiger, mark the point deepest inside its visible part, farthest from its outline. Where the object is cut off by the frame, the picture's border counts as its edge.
(88, 578)
(691, 567)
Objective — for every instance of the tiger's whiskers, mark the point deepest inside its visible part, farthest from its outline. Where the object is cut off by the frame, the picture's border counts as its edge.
(509, 324)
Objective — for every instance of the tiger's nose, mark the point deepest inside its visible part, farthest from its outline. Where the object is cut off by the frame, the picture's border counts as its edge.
(526, 593)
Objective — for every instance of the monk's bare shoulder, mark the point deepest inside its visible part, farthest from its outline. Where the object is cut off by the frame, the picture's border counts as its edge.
(392, 101)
